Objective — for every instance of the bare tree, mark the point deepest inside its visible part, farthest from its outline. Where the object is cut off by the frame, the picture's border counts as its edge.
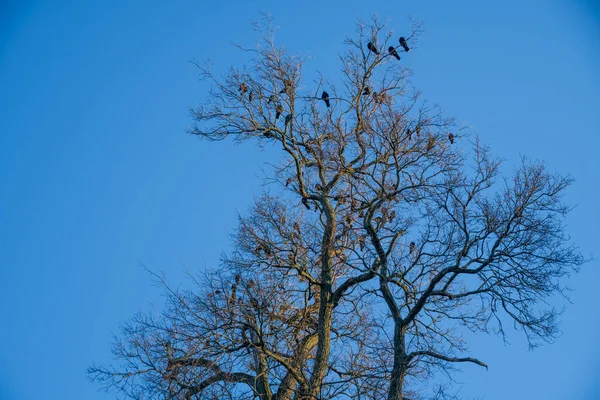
(391, 232)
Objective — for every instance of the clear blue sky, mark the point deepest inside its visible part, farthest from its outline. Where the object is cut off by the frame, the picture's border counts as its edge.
(97, 174)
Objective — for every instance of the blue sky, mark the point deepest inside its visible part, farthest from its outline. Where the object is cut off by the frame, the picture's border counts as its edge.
(98, 175)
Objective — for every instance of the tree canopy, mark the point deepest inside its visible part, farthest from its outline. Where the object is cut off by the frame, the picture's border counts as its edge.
(391, 232)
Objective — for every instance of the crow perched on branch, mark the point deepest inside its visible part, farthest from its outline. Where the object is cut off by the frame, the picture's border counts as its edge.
(372, 47)
(393, 52)
(325, 98)
(403, 44)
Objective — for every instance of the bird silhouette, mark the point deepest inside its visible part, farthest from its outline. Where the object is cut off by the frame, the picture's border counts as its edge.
(372, 47)
(243, 88)
(287, 183)
(408, 133)
(366, 91)
(325, 97)
(267, 133)
(451, 138)
(271, 98)
(411, 247)
(288, 119)
(251, 96)
(403, 44)
(278, 110)
(393, 52)
(418, 130)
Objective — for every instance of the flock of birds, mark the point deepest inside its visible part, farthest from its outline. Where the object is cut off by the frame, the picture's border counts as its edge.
(378, 97)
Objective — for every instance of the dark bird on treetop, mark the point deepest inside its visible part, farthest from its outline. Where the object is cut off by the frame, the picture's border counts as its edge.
(251, 96)
(451, 138)
(325, 97)
(403, 44)
(278, 110)
(408, 133)
(288, 119)
(238, 278)
(243, 88)
(366, 91)
(393, 52)
(372, 47)
(305, 202)
(267, 133)
(271, 98)
(287, 183)
(411, 247)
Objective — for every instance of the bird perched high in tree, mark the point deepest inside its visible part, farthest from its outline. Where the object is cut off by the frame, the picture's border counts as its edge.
(372, 48)
(404, 44)
(392, 51)
(325, 98)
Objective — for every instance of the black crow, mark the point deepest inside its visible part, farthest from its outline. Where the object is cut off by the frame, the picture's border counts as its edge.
(288, 119)
(325, 97)
(278, 110)
(408, 133)
(243, 88)
(403, 44)
(366, 91)
(372, 47)
(411, 247)
(451, 138)
(271, 98)
(393, 52)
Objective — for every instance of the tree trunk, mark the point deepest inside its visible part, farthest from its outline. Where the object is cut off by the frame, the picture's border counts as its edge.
(325, 307)
(400, 364)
